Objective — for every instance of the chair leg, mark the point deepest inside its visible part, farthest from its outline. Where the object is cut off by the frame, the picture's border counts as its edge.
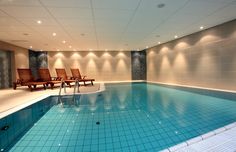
(30, 87)
(52, 85)
(92, 82)
(14, 85)
(44, 86)
(68, 84)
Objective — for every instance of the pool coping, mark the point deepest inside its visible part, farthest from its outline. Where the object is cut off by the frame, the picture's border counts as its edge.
(26, 104)
(192, 87)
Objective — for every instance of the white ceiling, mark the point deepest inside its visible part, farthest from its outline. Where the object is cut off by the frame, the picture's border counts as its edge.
(106, 24)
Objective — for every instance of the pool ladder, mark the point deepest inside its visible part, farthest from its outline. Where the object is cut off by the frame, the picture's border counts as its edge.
(63, 86)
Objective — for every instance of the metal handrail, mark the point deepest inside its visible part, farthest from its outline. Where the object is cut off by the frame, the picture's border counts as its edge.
(62, 85)
(77, 85)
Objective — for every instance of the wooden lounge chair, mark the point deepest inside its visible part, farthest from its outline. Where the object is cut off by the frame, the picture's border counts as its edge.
(76, 75)
(61, 74)
(26, 79)
(45, 76)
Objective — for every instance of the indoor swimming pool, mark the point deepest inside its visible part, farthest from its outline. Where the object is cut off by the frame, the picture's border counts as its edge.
(125, 117)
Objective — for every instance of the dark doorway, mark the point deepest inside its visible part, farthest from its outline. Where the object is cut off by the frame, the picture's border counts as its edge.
(5, 69)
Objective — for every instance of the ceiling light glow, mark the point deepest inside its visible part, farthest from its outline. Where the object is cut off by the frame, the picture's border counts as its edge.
(54, 34)
(39, 22)
(64, 41)
(176, 36)
(201, 28)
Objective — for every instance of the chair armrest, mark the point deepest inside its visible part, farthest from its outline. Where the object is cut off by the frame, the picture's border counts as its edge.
(69, 77)
(54, 78)
(18, 81)
(73, 78)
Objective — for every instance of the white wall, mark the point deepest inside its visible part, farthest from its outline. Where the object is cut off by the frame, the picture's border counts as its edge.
(102, 65)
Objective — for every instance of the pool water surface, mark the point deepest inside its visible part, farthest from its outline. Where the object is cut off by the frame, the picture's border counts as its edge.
(127, 117)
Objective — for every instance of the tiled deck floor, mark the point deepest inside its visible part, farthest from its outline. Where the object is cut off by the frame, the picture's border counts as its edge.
(220, 140)
(10, 98)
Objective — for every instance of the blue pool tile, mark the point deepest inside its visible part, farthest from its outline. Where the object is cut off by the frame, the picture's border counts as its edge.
(148, 122)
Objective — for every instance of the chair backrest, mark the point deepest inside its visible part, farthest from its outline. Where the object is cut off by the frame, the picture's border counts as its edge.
(61, 73)
(25, 75)
(44, 75)
(76, 73)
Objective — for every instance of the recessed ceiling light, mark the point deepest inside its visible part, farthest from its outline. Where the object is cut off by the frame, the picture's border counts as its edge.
(176, 36)
(161, 5)
(39, 22)
(64, 41)
(31, 47)
(201, 27)
(54, 34)
(147, 47)
(41, 50)
(70, 46)
(137, 49)
(159, 42)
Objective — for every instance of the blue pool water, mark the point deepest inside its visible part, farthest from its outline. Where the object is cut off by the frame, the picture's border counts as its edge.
(127, 117)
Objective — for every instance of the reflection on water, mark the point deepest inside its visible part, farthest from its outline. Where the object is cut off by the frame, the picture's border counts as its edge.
(134, 113)
(165, 104)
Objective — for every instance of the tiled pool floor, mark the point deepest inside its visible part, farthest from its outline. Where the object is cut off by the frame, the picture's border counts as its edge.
(130, 126)
(70, 130)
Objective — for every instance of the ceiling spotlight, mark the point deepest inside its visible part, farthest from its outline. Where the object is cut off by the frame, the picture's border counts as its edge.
(161, 5)
(70, 46)
(39, 22)
(31, 47)
(64, 41)
(201, 28)
(176, 36)
(147, 47)
(54, 34)
(41, 50)
(159, 42)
